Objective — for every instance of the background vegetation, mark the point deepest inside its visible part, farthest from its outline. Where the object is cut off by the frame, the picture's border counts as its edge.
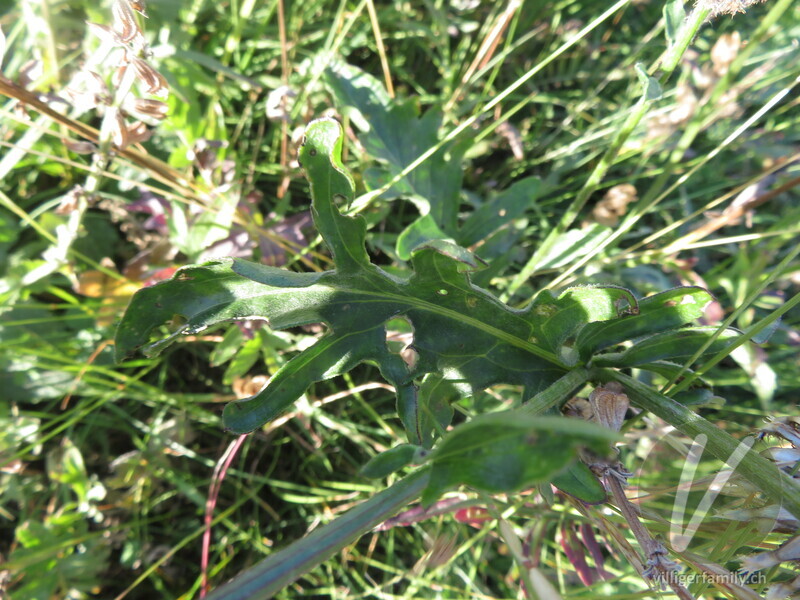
(109, 182)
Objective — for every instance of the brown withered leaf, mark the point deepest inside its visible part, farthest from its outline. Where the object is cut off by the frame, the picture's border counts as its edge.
(115, 292)
(725, 51)
(138, 6)
(153, 81)
(125, 24)
(247, 386)
(119, 133)
(513, 137)
(105, 33)
(155, 109)
(79, 146)
(138, 132)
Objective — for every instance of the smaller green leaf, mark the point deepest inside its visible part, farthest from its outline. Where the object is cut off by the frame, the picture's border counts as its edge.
(508, 205)
(388, 462)
(663, 311)
(651, 89)
(508, 451)
(579, 481)
(674, 18)
(670, 345)
(395, 133)
(228, 347)
(435, 399)
(419, 232)
(564, 316)
(468, 260)
(246, 357)
(698, 396)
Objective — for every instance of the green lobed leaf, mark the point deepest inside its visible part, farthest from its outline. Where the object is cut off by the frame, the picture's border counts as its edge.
(463, 335)
(421, 231)
(509, 451)
(460, 331)
(396, 135)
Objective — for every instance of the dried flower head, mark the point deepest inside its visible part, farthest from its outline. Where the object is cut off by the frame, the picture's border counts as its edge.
(614, 204)
(139, 6)
(788, 552)
(513, 137)
(105, 34)
(787, 427)
(87, 91)
(119, 132)
(69, 201)
(726, 7)
(724, 51)
(609, 405)
(279, 102)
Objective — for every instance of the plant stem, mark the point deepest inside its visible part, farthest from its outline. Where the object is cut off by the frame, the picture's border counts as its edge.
(556, 393)
(755, 468)
(285, 566)
(662, 572)
(685, 36)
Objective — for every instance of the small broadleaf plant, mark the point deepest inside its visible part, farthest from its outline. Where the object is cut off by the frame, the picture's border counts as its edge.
(464, 339)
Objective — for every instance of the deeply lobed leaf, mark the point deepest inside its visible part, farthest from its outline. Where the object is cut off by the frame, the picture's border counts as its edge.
(463, 337)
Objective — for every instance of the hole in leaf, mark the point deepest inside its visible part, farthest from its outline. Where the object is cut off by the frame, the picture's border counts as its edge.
(442, 292)
(400, 338)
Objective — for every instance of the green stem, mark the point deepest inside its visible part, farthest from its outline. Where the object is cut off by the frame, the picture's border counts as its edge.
(755, 468)
(285, 566)
(685, 36)
(556, 393)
